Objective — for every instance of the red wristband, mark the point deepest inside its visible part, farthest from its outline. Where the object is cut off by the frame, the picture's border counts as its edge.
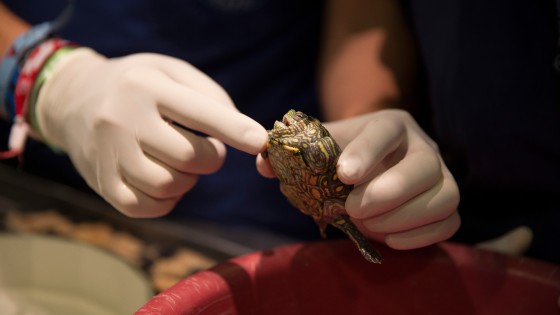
(30, 69)
(26, 78)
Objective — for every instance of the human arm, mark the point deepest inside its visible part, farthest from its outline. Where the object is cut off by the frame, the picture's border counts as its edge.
(368, 60)
(11, 26)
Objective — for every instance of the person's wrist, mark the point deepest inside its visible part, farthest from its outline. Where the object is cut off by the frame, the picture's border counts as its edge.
(14, 57)
(57, 91)
(12, 27)
(19, 68)
(44, 74)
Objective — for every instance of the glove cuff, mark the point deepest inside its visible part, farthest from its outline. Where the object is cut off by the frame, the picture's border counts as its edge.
(50, 92)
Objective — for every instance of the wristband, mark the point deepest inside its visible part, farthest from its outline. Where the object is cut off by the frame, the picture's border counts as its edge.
(15, 54)
(22, 121)
(28, 73)
(10, 96)
(17, 75)
(46, 72)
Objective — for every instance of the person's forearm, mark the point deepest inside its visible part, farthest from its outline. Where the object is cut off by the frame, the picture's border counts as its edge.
(368, 58)
(11, 27)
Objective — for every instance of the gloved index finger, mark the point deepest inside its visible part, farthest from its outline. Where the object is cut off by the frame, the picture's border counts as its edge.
(199, 112)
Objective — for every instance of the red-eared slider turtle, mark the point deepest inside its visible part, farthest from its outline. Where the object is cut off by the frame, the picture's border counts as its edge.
(303, 155)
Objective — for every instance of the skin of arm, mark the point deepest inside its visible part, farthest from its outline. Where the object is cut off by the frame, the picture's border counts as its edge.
(368, 58)
(11, 27)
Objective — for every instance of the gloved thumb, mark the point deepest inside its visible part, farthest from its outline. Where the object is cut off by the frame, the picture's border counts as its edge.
(514, 242)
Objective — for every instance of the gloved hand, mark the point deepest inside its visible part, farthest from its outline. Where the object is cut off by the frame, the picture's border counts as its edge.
(114, 119)
(403, 193)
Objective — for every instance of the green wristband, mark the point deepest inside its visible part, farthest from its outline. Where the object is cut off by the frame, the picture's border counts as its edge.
(44, 75)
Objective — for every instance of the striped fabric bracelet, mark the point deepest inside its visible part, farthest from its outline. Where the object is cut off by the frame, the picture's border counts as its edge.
(35, 70)
(29, 71)
(15, 55)
(19, 68)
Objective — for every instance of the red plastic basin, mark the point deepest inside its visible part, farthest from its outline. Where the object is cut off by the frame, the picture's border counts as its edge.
(332, 278)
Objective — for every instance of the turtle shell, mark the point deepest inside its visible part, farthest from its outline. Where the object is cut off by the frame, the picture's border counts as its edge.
(304, 156)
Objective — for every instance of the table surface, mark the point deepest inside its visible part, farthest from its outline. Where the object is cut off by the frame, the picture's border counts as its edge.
(27, 192)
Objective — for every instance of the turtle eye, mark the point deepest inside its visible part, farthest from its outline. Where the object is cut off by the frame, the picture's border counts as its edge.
(299, 116)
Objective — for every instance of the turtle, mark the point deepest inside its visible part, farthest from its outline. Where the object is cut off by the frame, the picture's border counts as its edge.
(304, 157)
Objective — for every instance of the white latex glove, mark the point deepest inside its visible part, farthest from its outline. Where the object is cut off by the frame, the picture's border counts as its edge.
(403, 192)
(113, 117)
(515, 242)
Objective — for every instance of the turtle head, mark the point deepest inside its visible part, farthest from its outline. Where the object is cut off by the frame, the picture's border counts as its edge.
(295, 122)
(292, 117)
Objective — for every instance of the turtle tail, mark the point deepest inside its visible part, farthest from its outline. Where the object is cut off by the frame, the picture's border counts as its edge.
(344, 223)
